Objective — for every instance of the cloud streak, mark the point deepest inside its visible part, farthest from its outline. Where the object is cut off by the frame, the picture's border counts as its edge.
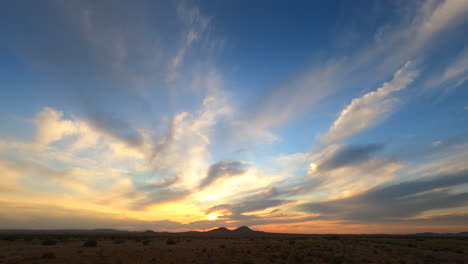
(397, 201)
(372, 108)
(223, 169)
(348, 155)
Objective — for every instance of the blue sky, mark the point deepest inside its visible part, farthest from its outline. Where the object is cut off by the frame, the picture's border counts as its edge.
(289, 117)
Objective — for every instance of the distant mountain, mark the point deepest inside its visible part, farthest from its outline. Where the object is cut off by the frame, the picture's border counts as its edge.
(219, 231)
(241, 231)
(440, 234)
(244, 230)
(65, 231)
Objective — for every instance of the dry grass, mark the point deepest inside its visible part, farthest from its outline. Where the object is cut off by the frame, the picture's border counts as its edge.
(280, 249)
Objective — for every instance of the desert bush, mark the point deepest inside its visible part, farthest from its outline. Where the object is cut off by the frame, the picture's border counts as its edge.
(292, 242)
(48, 255)
(90, 243)
(10, 238)
(338, 260)
(146, 242)
(298, 258)
(49, 242)
(119, 241)
(170, 241)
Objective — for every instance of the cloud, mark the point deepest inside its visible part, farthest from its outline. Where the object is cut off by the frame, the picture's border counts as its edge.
(108, 58)
(442, 14)
(370, 109)
(295, 96)
(236, 211)
(340, 171)
(117, 128)
(454, 75)
(50, 126)
(393, 45)
(223, 169)
(93, 157)
(80, 134)
(26, 216)
(397, 201)
(252, 203)
(196, 24)
(158, 195)
(348, 155)
(72, 179)
(117, 40)
(155, 193)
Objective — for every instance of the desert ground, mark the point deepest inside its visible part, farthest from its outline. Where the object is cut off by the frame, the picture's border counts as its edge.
(151, 247)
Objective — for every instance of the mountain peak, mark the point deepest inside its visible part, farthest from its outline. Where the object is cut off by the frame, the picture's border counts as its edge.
(219, 230)
(244, 229)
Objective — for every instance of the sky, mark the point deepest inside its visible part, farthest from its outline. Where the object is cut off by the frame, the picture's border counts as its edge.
(300, 117)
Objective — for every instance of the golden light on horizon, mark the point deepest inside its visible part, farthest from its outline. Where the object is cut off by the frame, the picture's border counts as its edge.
(213, 216)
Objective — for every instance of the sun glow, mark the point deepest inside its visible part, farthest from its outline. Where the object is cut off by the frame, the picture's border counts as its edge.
(312, 167)
(213, 216)
(210, 197)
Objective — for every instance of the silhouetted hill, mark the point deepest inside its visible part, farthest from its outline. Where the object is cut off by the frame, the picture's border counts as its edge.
(244, 230)
(219, 231)
(241, 231)
(464, 234)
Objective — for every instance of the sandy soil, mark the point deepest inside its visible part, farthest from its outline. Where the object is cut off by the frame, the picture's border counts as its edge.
(313, 249)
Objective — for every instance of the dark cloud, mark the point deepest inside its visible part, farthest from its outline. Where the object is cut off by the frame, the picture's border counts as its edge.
(252, 203)
(116, 127)
(63, 218)
(396, 201)
(164, 183)
(159, 192)
(237, 210)
(223, 169)
(96, 38)
(99, 54)
(349, 155)
(159, 196)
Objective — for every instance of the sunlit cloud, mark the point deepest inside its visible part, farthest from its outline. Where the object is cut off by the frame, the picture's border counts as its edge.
(371, 108)
(166, 116)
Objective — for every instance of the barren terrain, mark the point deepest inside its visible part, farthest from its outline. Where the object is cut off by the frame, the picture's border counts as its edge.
(149, 247)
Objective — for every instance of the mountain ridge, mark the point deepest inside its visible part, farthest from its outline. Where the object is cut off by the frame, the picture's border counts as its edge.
(220, 231)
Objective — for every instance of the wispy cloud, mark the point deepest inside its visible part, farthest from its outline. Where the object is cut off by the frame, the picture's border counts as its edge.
(454, 74)
(392, 46)
(397, 201)
(196, 25)
(348, 155)
(372, 108)
(223, 169)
